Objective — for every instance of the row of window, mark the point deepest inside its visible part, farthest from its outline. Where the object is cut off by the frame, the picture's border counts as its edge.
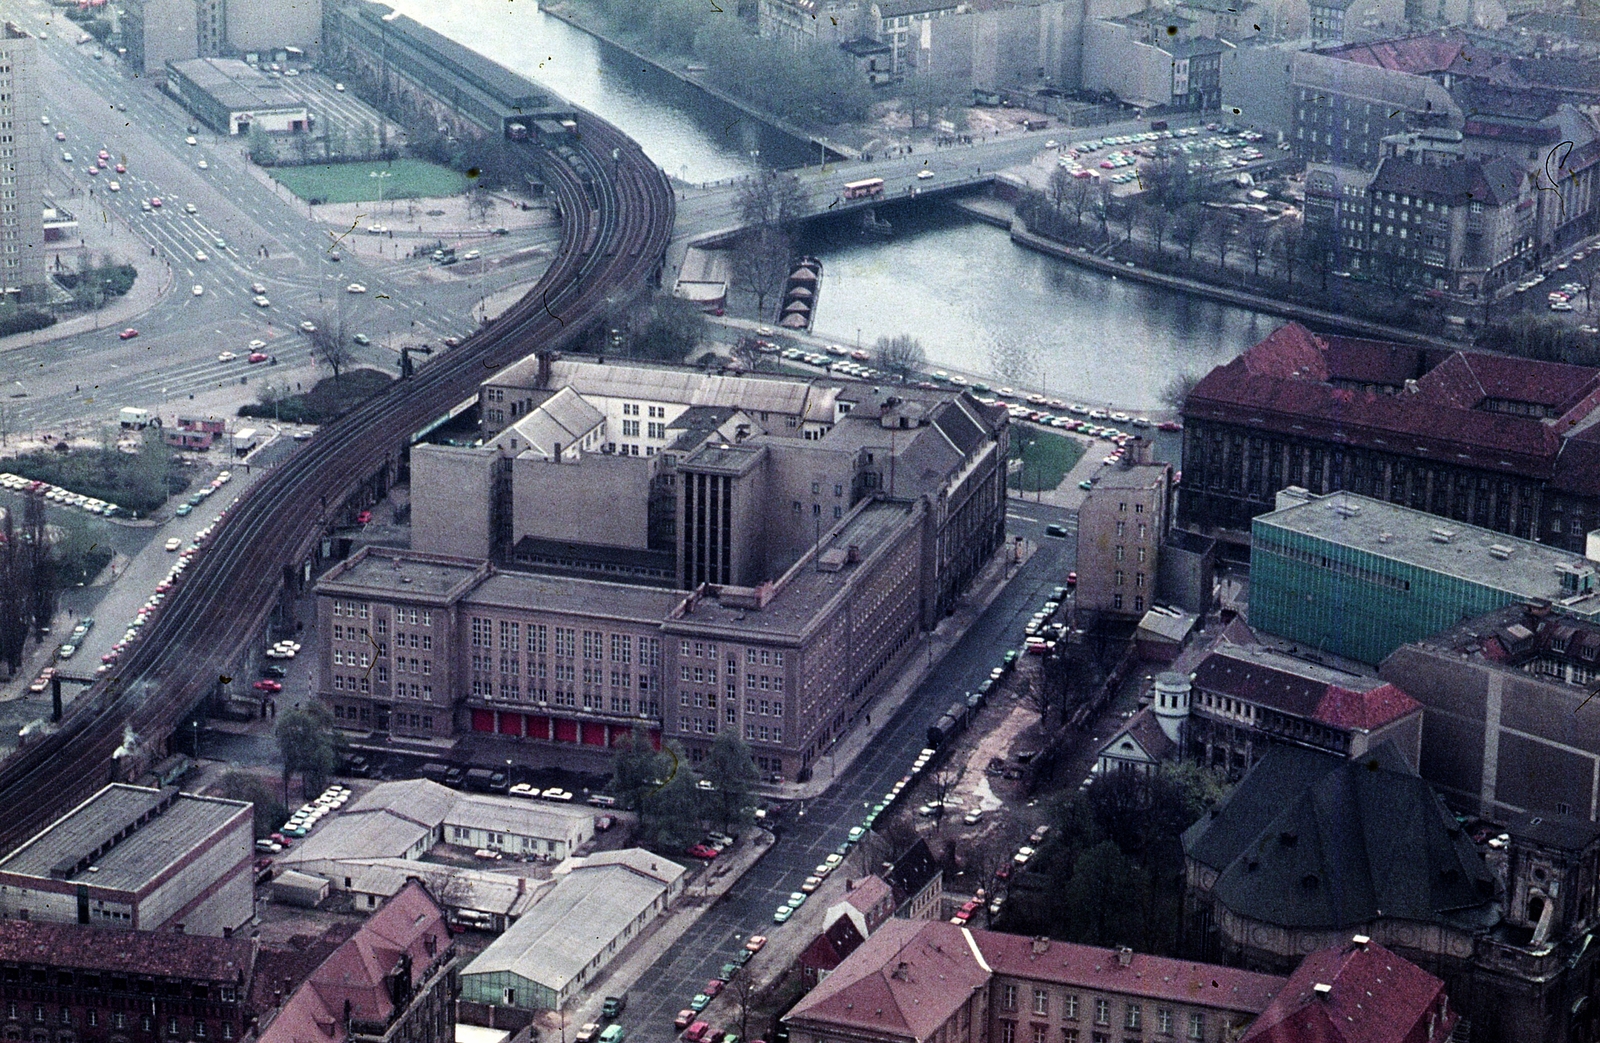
(1164, 1021)
(118, 1020)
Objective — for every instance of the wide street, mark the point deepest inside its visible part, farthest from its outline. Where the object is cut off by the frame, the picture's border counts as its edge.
(804, 840)
(175, 355)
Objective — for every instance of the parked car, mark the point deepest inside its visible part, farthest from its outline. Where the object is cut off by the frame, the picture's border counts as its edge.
(702, 851)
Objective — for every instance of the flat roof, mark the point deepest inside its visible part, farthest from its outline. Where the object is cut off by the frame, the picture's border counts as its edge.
(236, 86)
(1136, 476)
(165, 836)
(804, 590)
(389, 571)
(1406, 536)
(580, 597)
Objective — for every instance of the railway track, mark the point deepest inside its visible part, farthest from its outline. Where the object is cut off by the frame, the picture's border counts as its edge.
(617, 211)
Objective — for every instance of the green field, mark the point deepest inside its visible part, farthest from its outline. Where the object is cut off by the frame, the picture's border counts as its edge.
(1046, 457)
(353, 183)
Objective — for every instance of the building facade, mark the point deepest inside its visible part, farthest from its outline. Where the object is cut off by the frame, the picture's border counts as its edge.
(1121, 527)
(138, 859)
(1358, 577)
(1501, 443)
(22, 260)
(64, 983)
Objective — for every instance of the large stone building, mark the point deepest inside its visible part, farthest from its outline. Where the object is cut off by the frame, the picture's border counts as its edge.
(1121, 527)
(139, 859)
(1358, 577)
(1509, 726)
(929, 980)
(22, 260)
(1502, 443)
(394, 981)
(1135, 58)
(1311, 848)
(92, 984)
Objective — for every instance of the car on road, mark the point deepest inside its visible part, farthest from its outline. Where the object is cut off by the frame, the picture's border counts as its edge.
(267, 685)
(756, 943)
(782, 914)
(183, 509)
(377, 229)
(701, 851)
(61, 135)
(226, 356)
(1053, 529)
(128, 334)
(121, 168)
(257, 356)
(796, 899)
(273, 670)
(363, 517)
(923, 175)
(174, 543)
(452, 342)
(203, 164)
(1072, 579)
(94, 171)
(191, 140)
(1022, 855)
(971, 818)
(362, 339)
(811, 884)
(200, 255)
(189, 208)
(855, 834)
(256, 287)
(197, 289)
(471, 255)
(355, 287)
(66, 651)
(260, 300)
(308, 327)
(115, 186)
(589, 1033)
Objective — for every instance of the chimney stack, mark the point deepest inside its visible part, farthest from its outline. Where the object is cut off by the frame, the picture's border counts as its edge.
(1124, 957)
(1322, 990)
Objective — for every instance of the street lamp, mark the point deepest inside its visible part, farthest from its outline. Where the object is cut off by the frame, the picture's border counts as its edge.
(380, 176)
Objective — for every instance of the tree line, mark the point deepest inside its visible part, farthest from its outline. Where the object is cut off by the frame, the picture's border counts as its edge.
(675, 799)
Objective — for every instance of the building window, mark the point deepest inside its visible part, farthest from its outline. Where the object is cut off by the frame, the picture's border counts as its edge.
(1070, 1006)
(1131, 1021)
(1197, 1026)
(1041, 1001)
(1164, 1021)
(1008, 1031)
(1102, 1012)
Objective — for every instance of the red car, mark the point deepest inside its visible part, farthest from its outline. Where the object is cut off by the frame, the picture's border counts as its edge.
(1072, 579)
(713, 987)
(267, 685)
(257, 356)
(699, 1032)
(128, 334)
(122, 168)
(104, 154)
(702, 851)
(1169, 425)
(155, 201)
(363, 517)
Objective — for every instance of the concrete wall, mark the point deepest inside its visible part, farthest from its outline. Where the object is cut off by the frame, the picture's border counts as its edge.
(211, 889)
(1255, 80)
(258, 25)
(1114, 60)
(601, 500)
(451, 490)
(165, 32)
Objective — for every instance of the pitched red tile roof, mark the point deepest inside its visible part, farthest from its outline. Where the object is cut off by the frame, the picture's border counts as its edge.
(1283, 384)
(1344, 708)
(868, 891)
(1375, 997)
(830, 948)
(1154, 977)
(1307, 697)
(409, 924)
(1414, 54)
(69, 946)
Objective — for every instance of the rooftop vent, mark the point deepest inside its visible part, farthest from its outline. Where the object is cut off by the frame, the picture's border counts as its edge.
(1322, 990)
(1442, 535)
(1385, 537)
(1345, 510)
(1501, 551)
(1361, 940)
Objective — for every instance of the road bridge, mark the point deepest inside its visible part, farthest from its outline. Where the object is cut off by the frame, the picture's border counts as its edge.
(616, 210)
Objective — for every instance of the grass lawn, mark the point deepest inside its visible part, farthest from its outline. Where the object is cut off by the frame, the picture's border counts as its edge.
(1046, 457)
(350, 183)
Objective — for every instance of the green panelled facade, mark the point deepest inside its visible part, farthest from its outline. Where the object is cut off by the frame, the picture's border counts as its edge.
(490, 989)
(1341, 599)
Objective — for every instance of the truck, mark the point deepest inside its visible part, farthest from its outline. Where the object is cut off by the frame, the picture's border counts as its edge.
(487, 780)
(244, 440)
(134, 419)
(614, 1006)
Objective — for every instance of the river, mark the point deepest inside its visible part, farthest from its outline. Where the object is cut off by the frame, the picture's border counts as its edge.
(977, 302)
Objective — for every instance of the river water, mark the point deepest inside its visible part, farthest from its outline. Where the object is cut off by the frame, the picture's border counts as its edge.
(978, 303)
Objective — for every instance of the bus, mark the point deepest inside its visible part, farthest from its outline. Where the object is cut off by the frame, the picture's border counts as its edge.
(868, 189)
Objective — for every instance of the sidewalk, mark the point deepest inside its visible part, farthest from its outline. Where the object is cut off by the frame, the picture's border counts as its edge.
(662, 935)
(919, 665)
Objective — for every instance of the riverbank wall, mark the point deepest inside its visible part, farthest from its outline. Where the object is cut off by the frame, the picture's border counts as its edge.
(989, 211)
(799, 133)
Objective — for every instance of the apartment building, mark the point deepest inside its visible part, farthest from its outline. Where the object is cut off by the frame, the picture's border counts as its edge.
(918, 980)
(1121, 526)
(22, 260)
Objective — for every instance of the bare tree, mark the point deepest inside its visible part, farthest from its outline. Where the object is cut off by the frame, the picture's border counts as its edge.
(1291, 248)
(743, 987)
(1157, 220)
(944, 780)
(330, 341)
(1222, 236)
(1258, 240)
(760, 263)
(1125, 214)
(772, 200)
(1083, 194)
(901, 355)
(480, 201)
(1188, 227)
(1176, 391)
(1061, 187)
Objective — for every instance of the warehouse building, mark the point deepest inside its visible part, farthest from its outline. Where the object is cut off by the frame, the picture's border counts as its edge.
(1360, 577)
(470, 897)
(565, 941)
(137, 858)
(233, 98)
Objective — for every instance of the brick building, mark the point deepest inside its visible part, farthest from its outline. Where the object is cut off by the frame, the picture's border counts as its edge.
(1357, 993)
(1121, 526)
(394, 981)
(64, 983)
(1503, 443)
(915, 981)
(140, 859)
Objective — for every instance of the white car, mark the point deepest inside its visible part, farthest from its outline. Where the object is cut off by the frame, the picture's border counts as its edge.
(308, 326)
(339, 87)
(191, 140)
(377, 229)
(203, 165)
(200, 255)
(189, 208)
(226, 356)
(260, 300)
(44, 121)
(471, 255)
(923, 175)
(258, 345)
(197, 289)
(115, 186)
(355, 287)
(173, 543)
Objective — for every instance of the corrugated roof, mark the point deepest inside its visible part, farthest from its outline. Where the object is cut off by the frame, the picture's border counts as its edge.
(519, 817)
(422, 801)
(377, 834)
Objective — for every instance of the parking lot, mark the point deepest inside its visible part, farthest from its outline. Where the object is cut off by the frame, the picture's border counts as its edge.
(1209, 151)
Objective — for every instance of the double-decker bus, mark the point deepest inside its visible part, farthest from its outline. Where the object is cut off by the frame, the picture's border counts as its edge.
(867, 189)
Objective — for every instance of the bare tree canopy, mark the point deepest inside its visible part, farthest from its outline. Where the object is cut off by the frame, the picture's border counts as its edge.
(772, 200)
(1177, 389)
(330, 341)
(901, 355)
(760, 263)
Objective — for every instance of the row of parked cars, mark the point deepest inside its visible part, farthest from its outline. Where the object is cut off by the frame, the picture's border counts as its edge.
(56, 494)
(305, 819)
(688, 1021)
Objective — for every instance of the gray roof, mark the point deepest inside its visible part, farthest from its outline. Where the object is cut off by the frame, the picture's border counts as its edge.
(559, 420)
(1391, 87)
(520, 817)
(1496, 182)
(574, 923)
(235, 85)
(422, 801)
(694, 387)
(391, 572)
(580, 597)
(1173, 628)
(1136, 476)
(378, 834)
(139, 858)
(1311, 841)
(1400, 534)
(502, 893)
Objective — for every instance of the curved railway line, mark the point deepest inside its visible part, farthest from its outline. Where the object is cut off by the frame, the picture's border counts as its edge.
(617, 211)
